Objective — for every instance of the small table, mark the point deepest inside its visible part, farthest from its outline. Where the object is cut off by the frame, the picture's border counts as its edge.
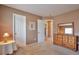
(7, 47)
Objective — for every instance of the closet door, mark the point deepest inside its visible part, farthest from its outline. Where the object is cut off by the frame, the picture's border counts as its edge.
(41, 31)
(20, 29)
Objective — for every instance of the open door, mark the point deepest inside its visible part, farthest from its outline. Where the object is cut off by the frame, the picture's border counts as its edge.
(19, 29)
(41, 31)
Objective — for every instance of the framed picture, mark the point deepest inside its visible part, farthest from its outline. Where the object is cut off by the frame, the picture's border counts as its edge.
(32, 25)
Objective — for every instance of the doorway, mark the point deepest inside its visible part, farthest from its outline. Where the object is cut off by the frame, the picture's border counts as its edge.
(45, 30)
(19, 29)
(49, 30)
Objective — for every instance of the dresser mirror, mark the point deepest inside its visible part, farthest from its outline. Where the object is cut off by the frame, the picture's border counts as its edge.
(66, 28)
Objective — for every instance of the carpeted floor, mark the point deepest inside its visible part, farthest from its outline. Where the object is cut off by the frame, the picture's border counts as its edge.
(46, 48)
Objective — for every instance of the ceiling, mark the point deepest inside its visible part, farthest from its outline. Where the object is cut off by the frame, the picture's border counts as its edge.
(45, 9)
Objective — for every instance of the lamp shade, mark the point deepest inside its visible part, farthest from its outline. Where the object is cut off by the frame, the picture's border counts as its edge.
(6, 35)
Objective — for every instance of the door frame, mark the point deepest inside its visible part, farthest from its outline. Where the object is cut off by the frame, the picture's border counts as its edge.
(51, 28)
(14, 24)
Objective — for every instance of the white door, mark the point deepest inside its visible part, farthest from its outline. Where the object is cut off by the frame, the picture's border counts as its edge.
(20, 29)
(41, 31)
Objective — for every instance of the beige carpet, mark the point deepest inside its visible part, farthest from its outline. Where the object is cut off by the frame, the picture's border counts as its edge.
(46, 48)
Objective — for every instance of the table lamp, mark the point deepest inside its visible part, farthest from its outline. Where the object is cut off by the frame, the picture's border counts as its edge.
(6, 36)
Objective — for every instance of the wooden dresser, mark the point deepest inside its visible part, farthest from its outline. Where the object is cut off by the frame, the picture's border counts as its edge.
(68, 41)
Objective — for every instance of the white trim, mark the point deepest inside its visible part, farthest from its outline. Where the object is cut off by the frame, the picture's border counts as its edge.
(13, 26)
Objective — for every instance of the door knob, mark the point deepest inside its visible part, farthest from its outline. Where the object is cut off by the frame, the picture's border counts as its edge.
(15, 33)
